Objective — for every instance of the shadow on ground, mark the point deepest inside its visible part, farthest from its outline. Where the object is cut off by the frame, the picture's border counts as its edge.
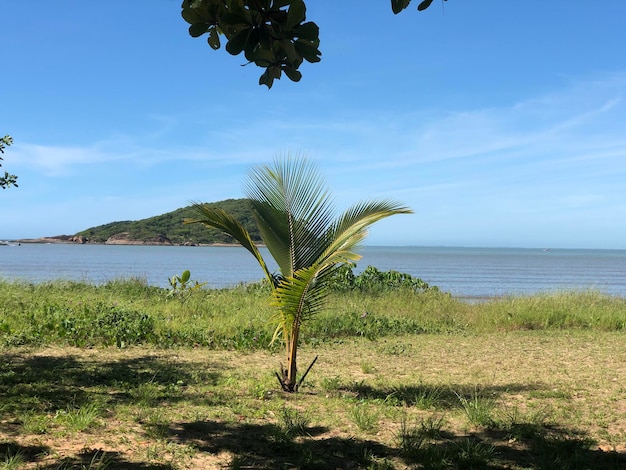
(50, 383)
(89, 459)
(271, 446)
(266, 446)
(432, 396)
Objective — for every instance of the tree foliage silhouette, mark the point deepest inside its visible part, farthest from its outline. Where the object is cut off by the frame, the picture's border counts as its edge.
(272, 34)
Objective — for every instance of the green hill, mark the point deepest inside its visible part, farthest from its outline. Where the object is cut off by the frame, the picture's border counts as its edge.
(170, 226)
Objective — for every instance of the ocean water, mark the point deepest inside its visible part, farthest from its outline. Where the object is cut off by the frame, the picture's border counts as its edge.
(464, 272)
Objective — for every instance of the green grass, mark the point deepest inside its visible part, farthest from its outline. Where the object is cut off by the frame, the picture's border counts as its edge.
(365, 417)
(457, 403)
(294, 422)
(79, 418)
(478, 408)
(12, 461)
(125, 376)
(127, 313)
(124, 313)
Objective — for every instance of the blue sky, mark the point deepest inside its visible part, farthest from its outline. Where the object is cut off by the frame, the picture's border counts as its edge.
(498, 123)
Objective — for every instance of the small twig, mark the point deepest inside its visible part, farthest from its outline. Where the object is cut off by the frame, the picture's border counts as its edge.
(281, 382)
(305, 374)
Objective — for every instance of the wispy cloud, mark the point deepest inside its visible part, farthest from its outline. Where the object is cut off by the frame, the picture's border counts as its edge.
(58, 160)
(579, 122)
(568, 145)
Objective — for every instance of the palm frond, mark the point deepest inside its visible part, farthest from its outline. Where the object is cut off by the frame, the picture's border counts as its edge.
(366, 213)
(295, 216)
(222, 220)
(302, 294)
(351, 229)
(293, 208)
(298, 297)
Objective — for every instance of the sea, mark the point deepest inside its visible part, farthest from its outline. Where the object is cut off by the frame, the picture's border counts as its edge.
(467, 273)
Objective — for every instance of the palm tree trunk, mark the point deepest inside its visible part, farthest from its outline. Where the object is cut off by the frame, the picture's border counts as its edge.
(292, 353)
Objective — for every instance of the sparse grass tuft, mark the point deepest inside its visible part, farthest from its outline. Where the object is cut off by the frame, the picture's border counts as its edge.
(12, 460)
(365, 417)
(294, 422)
(472, 453)
(478, 408)
(79, 418)
(34, 423)
(331, 385)
(427, 397)
(520, 425)
(155, 425)
(367, 368)
(98, 461)
(411, 438)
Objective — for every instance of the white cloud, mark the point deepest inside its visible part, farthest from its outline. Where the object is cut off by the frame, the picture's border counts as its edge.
(57, 160)
(581, 121)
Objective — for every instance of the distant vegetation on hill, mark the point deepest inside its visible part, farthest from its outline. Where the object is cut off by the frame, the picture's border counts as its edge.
(170, 226)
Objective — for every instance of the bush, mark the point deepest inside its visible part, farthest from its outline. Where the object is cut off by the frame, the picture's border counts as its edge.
(124, 327)
(81, 326)
(372, 280)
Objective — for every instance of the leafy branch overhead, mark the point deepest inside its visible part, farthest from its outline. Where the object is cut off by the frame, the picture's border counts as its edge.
(272, 34)
(8, 179)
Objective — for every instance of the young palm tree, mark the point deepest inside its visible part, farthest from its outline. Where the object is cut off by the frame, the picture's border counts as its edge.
(294, 213)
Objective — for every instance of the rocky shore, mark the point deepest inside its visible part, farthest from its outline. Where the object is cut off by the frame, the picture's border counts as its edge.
(122, 238)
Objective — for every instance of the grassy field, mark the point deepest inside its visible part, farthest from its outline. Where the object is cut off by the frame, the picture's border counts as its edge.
(126, 376)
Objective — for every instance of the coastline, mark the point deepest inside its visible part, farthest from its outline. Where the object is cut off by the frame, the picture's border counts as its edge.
(74, 240)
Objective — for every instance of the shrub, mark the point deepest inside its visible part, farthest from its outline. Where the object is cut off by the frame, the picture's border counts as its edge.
(372, 280)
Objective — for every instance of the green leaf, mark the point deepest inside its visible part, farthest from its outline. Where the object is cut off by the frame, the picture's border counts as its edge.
(275, 72)
(238, 42)
(299, 297)
(398, 5)
(296, 13)
(214, 39)
(266, 80)
(198, 29)
(195, 12)
(229, 20)
(186, 276)
(227, 223)
(262, 57)
(292, 73)
(425, 4)
(308, 31)
(278, 4)
(290, 50)
(238, 8)
(268, 77)
(293, 211)
(310, 53)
